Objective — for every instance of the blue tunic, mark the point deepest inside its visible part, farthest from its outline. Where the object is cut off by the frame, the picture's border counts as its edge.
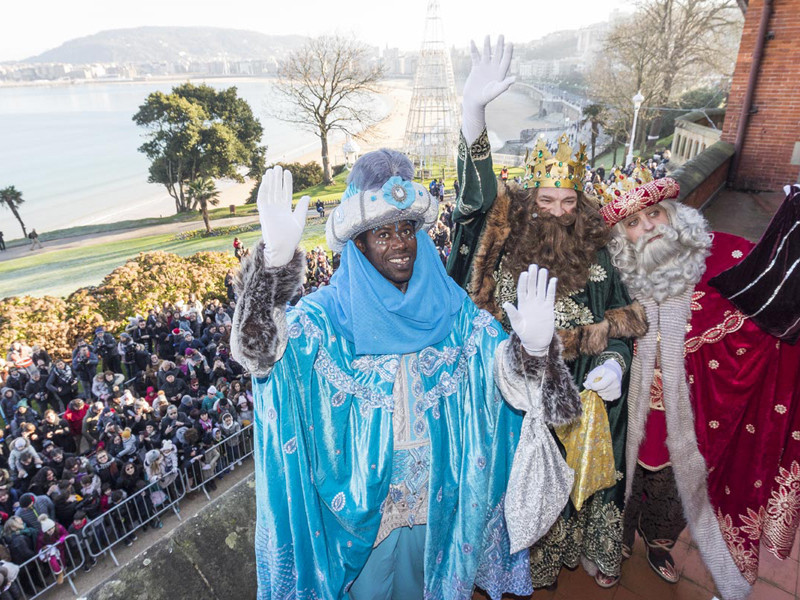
(324, 460)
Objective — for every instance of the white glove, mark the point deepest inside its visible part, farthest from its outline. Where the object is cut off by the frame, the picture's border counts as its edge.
(606, 380)
(487, 79)
(533, 319)
(280, 227)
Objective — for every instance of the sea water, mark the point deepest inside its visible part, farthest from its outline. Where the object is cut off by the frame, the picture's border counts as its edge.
(72, 150)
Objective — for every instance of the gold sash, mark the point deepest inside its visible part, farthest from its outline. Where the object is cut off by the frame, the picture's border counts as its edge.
(589, 450)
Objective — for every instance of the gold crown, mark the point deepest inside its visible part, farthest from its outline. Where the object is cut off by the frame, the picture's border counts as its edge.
(623, 183)
(559, 171)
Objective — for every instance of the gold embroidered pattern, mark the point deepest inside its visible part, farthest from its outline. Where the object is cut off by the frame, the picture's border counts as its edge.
(713, 424)
(737, 254)
(750, 428)
(780, 522)
(745, 558)
(740, 351)
(695, 305)
(597, 273)
(780, 409)
(570, 313)
(796, 435)
(657, 391)
(757, 484)
(506, 289)
(713, 365)
(732, 322)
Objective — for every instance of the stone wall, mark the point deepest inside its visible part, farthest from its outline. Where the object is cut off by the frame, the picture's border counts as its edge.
(704, 175)
(772, 137)
(209, 557)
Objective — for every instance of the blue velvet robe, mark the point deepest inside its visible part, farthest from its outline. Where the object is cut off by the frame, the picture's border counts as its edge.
(323, 457)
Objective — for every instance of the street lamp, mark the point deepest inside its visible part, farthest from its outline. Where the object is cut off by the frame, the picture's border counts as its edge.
(637, 104)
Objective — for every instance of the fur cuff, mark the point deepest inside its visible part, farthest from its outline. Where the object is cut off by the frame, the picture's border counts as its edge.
(548, 375)
(625, 322)
(258, 336)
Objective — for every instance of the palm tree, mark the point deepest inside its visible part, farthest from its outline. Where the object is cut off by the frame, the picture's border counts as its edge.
(203, 192)
(594, 114)
(12, 198)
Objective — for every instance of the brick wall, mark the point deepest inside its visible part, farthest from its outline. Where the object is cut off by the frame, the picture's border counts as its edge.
(773, 131)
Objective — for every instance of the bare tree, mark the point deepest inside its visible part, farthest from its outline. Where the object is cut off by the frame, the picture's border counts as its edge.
(326, 83)
(666, 48)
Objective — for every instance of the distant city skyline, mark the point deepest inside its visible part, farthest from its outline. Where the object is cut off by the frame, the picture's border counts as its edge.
(30, 28)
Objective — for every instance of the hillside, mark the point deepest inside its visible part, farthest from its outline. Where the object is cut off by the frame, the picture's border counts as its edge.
(168, 44)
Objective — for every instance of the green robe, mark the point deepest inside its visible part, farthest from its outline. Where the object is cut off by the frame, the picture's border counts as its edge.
(595, 531)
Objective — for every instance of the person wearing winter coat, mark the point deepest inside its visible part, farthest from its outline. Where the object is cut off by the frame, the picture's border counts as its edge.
(57, 430)
(230, 429)
(36, 390)
(21, 447)
(89, 428)
(62, 384)
(31, 506)
(50, 546)
(8, 403)
(20, 539)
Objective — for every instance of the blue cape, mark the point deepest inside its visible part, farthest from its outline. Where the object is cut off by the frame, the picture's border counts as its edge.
(380, 319)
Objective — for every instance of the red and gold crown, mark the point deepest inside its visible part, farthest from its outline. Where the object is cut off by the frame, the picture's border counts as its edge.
(619, 204)
(559, 171)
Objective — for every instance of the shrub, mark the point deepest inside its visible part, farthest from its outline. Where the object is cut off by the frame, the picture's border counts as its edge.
(148, 280)
(304, 176)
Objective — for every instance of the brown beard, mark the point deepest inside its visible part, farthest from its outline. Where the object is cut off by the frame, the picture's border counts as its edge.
(566, 245)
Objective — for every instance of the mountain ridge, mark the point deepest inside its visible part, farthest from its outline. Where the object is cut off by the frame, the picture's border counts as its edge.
(157, 44)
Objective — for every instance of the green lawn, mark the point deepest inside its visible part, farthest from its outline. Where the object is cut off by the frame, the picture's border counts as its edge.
(61, 273)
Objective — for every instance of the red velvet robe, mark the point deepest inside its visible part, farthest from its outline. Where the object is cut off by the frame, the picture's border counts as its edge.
(745, 391)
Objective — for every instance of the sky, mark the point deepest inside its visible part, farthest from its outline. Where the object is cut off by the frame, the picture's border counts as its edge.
(28, 28)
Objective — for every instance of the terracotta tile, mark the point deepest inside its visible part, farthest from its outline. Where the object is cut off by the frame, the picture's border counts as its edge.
(796, 547)
(780, 573)
(694, 569)
(578, 585)
(764, 591)
(626, 594)
(639, 578)
(680, 554)
(685, 536)
(686, 590)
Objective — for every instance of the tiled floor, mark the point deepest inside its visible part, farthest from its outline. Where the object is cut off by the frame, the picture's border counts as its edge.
(747, 215)
(778, 580)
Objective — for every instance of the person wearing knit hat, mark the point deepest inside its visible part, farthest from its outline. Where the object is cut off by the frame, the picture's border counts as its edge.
(360, 387)
(709, 391)
(49, 546)
(500, 227)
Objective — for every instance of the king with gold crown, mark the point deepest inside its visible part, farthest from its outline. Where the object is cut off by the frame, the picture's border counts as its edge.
(501, 228)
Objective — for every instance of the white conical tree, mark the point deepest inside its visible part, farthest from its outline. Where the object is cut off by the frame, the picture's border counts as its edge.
(431, 136)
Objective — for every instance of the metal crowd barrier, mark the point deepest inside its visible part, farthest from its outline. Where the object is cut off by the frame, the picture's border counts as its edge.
(36, 577)
(231, 450)
(101, 534)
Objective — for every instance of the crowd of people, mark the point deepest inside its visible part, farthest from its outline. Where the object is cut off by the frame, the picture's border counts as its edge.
(125, 414)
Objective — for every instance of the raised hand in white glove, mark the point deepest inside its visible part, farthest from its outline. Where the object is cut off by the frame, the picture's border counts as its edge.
(606, 380)
(487, 79)
(280, 227)
(533, 319)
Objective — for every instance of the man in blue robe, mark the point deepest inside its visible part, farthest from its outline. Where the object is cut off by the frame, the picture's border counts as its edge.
(401, 441)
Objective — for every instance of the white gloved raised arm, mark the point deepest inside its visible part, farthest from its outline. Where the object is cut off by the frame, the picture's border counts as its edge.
(606, 380)
(487, 79)
(533, 319)
(281, 228)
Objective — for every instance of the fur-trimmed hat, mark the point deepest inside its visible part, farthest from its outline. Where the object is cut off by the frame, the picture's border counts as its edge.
(380, 190)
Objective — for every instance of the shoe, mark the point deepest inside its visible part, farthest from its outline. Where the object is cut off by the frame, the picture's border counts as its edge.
(606, 581)
(128, 542)
(134, 537)
(60, 577)
(238, 463)
(232, 467)
(661, 562)
(159, 525)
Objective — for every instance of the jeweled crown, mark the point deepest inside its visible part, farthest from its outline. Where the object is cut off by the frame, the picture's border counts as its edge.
(623, 183)
(559, 171)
